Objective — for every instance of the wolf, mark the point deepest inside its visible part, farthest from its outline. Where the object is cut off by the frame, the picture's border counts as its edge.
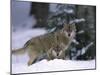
(53, 44)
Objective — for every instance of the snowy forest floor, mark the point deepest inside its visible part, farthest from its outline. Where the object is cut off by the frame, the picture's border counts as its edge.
(19, 63)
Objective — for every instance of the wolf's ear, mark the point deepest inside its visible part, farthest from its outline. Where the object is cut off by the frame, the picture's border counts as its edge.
(73, 26)
(64, 27)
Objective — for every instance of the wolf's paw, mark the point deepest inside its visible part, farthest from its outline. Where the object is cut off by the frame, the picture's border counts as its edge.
(29, 63)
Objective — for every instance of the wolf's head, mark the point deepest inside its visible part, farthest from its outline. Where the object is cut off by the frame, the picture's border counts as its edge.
(57, 51)
(69, 30)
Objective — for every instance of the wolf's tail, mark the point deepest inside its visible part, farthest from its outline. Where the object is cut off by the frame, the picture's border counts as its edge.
(19, 51)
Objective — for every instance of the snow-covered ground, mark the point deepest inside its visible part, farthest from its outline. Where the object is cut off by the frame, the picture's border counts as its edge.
(53, 65)
(19, 63)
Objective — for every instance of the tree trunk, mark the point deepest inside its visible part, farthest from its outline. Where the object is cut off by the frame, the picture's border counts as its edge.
(40, 11)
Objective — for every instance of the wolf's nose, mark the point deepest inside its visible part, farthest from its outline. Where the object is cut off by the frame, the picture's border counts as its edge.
(68, 34)
(57, 54)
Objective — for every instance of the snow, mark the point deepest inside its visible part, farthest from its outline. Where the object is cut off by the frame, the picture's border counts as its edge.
(23, 35)
(68, 11)
(53, 65)
(77, 20)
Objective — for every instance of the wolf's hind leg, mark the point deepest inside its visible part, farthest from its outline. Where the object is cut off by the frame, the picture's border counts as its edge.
(32, 57)
(32, 60)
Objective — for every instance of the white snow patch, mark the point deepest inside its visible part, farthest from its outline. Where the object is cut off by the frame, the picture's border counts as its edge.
(19, 38)
(20, 58)
(53, 65)
(68, 11)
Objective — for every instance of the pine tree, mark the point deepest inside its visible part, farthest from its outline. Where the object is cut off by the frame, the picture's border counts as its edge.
(85, 50)
(64, 14)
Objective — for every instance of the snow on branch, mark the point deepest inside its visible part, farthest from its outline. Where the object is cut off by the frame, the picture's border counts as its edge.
(77, 20)
(52, 30)
(80, 32)
(84, 49)
(68, 11)
(75, 41)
